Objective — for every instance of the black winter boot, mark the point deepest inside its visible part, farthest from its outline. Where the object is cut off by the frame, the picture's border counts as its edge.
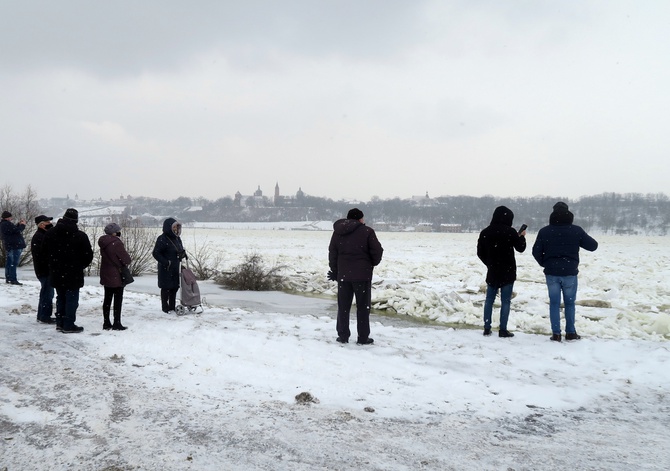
(117, 322)
(106, 325)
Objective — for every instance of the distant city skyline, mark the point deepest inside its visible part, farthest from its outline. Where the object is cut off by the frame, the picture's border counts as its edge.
(77, 197)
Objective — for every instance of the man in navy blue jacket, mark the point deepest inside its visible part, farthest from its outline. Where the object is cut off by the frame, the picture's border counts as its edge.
(557, 250)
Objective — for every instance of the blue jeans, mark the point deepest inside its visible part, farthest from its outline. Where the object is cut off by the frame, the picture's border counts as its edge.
(13, 257)
(46, 304)
(567, 285)
(67, 304)
(505, 303)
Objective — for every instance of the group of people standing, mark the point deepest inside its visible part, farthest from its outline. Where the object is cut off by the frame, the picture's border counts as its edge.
(62, 252)
(354, 251)
(556, 249)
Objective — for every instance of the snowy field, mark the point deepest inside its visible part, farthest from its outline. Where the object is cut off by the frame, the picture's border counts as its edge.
(217, 390)
(624, 286)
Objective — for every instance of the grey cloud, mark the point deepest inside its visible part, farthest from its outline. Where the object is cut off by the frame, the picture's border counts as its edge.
(126, 37)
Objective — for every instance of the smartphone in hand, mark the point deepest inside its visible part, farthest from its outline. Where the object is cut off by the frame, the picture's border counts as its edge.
(523, 228)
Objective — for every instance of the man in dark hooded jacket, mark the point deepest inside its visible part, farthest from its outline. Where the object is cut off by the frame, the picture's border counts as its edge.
(353, 252)
(557, 250)
(495, 248)
(169, 252)
(69, 251)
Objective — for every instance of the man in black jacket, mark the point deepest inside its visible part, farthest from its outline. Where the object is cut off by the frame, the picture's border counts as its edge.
(353, 252)
(495, 248)
(69, 251)
(41, 266)
(556, 249)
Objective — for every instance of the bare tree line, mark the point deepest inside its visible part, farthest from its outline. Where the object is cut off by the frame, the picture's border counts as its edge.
(608, 213)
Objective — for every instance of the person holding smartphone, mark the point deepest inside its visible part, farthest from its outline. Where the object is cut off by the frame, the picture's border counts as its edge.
(495, 248)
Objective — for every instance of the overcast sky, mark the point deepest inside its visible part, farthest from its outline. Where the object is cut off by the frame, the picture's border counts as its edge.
(345, 99)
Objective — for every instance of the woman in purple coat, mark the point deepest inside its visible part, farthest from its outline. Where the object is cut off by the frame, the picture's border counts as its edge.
(114, 256)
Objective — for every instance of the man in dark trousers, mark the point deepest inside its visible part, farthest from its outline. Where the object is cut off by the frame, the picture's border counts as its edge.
(12, 237)
(353, 252)
(69, 251)
(41, 266)
(557, 250)
(495, 248)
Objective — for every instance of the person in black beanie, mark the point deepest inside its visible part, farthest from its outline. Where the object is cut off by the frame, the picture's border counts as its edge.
(69, 251)
(353, 252)
(556, 249)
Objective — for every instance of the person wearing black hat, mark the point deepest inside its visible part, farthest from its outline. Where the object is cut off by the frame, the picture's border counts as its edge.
(41, 267)
(69, 252)
(353, 252)
(113, 256)
(12, 237)
(556, 249)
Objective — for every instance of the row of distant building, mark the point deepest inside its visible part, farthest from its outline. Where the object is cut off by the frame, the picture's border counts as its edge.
(255, 199)
(100, 212)
(277, 200)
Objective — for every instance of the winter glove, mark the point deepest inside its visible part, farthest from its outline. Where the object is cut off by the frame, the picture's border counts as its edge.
(332, 276)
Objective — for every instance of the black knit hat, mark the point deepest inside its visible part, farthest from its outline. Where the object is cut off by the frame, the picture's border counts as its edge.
(6, 214)
(71, 214)
(560, 206)
(355, 214)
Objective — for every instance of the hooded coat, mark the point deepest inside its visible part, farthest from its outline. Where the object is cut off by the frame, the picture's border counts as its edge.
(113, 256)
(168, 251)
(69, 252)
(496, 245)
(353, 251)
(557, 245)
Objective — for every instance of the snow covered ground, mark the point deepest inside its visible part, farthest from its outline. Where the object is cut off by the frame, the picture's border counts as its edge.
(624, 286)
(217, 390)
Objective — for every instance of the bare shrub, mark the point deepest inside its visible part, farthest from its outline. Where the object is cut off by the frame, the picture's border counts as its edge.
(252, 275)
(204, 261)
(137, 239)
(93, 232)
(139, 242)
